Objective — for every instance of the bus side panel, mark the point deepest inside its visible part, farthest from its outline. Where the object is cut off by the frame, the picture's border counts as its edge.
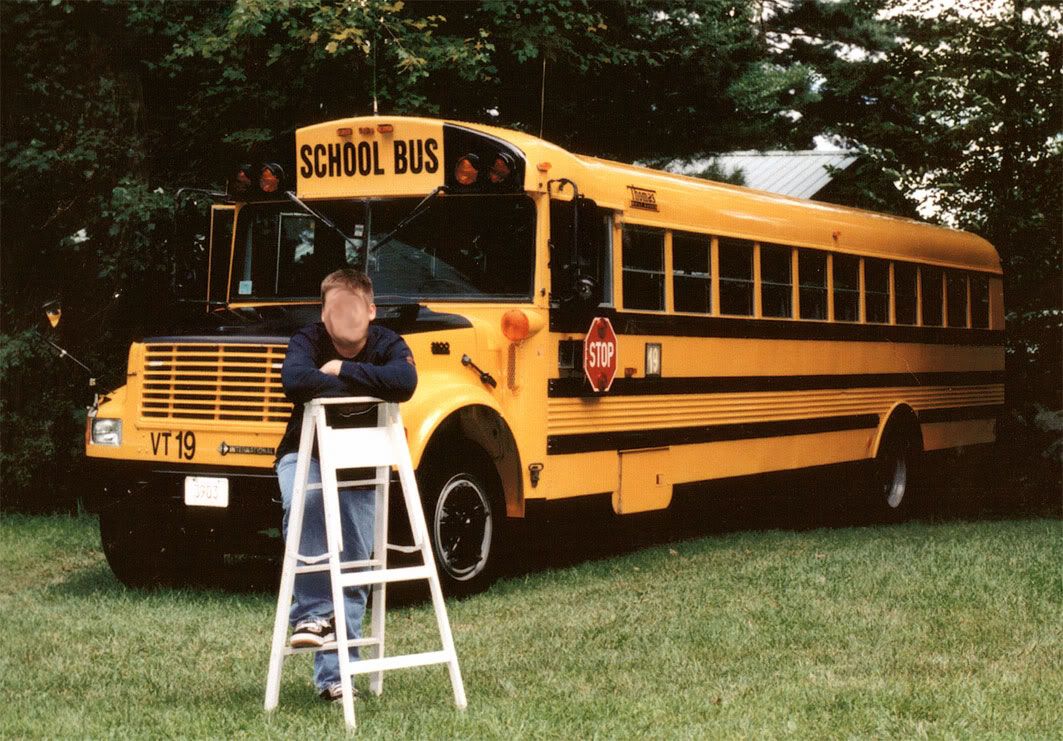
(580, 474)
(942, 435)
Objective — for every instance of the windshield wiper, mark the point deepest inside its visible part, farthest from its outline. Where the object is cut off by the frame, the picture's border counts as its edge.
(419, 209)
(319, 216)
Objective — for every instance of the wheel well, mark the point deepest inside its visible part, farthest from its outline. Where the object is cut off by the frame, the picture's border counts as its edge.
(902, 420)
(483, 428)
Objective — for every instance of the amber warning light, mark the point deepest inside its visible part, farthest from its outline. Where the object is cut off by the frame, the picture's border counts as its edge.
(270, 179)
(467, 170)
(250, 180)
(518, 325)
(500, 170)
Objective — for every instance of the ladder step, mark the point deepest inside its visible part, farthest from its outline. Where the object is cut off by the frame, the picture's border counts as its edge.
(349, 484)
(368, 666)
(381, 576)
(404, 548)
(371, 563)
(331, 646)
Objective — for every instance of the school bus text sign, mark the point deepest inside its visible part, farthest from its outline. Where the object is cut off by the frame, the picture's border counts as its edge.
(599, 354)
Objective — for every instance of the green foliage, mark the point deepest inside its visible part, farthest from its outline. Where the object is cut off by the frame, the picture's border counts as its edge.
(960, 105)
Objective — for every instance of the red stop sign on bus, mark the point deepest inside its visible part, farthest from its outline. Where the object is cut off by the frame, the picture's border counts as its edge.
(599, 354)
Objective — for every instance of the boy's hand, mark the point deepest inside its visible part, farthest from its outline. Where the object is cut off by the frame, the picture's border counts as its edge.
(331, 368)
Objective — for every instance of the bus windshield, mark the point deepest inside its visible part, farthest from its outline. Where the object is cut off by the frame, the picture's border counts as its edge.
(459, 248)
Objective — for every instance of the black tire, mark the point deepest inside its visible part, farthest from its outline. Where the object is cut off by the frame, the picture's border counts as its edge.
(142, 548)
(894, 485)
(465, 513)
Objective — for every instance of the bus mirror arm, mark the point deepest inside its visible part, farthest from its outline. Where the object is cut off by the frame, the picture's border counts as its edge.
(419, 209)
(213, 195)
(318, 215)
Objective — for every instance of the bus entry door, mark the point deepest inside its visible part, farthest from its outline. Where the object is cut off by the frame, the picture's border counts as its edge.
(644, 482)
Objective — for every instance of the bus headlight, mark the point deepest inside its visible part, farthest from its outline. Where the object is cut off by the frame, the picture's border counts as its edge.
(107, 431)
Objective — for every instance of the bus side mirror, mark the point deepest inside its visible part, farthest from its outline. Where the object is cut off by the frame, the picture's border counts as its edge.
(586, 290)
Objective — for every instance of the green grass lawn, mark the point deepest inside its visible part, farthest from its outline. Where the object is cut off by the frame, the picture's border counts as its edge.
(940, 630)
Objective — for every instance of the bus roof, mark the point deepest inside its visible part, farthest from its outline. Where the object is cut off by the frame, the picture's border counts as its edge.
(729, 210)
(663, 199)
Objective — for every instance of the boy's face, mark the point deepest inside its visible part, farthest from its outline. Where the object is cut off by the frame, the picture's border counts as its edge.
(346, 314)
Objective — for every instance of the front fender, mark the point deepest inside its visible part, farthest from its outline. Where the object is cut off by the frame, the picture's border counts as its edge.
(438, 396)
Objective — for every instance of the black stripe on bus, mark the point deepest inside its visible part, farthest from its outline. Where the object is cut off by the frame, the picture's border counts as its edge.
(674, 325)
(954, 414)
(633, 439)
(560, 388)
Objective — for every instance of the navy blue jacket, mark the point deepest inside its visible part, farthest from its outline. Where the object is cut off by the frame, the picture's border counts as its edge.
(384, 368)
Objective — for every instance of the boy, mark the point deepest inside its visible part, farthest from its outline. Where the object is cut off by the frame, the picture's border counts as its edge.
(342, 355)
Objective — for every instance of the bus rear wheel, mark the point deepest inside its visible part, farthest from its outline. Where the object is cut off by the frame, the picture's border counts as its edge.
(465, 514)
(894, 475)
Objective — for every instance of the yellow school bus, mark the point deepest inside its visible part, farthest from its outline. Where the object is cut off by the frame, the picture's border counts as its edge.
(736, 333)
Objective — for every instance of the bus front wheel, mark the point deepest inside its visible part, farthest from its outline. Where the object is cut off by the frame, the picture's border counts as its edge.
(895, 474)
(142, 551)
(465, 514)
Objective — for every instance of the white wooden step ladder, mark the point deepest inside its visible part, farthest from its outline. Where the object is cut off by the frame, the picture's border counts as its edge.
(358, 433)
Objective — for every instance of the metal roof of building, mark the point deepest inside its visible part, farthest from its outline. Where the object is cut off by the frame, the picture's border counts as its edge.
(800, 174)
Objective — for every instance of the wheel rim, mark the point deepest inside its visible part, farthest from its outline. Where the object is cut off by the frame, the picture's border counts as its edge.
(895, 482)
(461, 527)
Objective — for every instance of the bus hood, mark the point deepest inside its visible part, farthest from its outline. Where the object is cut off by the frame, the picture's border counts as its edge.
(276, 324)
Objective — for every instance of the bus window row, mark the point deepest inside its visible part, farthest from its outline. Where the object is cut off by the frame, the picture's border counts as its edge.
(783, 282)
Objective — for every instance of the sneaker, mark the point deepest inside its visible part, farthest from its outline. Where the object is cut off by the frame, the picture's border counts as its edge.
(313, 633)
(334, 693)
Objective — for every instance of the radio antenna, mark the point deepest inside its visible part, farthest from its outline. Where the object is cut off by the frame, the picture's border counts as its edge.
(542, 98)
(376, 35)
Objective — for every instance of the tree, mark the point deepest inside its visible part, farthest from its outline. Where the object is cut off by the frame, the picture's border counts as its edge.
(960, 105)
(108, 107)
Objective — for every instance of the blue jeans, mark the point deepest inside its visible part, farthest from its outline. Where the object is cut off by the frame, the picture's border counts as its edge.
(313, 592)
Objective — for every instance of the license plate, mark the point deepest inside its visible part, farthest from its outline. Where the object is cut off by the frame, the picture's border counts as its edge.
(205, 491)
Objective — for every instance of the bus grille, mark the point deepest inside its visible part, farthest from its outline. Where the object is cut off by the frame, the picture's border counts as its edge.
(236, 383)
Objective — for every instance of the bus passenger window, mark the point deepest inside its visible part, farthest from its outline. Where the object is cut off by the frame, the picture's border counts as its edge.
(643, 268)
(812, 274)
(979, 302)
(877, 291)
(736, 277)
(846, 288)
(930, 284)
(776, 281)
(691, 282)
(904, 290)
(956, 290)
